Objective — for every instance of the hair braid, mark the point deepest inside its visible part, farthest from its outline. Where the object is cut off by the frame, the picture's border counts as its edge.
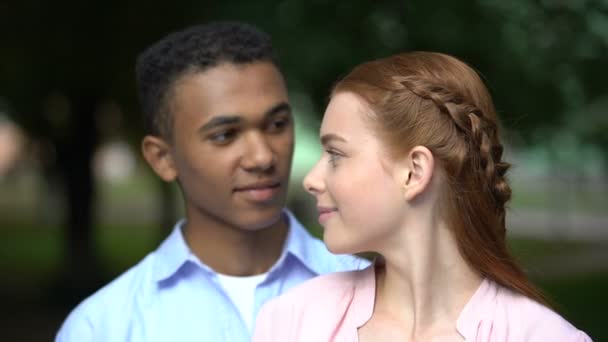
(477, 130)
(436, 100)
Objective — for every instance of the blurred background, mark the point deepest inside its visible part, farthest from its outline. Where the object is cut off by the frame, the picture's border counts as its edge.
(78, 206)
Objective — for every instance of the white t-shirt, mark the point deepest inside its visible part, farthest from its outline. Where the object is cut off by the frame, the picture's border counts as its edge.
(241, 291)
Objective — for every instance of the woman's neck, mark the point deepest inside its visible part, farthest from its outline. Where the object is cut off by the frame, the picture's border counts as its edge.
(424, 282)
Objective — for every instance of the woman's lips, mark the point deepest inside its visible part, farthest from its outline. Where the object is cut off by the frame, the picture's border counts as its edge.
(325, 213)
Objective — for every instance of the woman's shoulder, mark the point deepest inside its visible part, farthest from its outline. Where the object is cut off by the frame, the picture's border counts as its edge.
(328, 284)
(531, 319)
(322, 291)
(316, 307)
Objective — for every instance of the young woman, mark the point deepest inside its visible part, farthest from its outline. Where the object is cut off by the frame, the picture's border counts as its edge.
(413, 171)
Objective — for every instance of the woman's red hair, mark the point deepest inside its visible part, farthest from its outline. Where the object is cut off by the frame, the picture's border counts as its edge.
(437, 101)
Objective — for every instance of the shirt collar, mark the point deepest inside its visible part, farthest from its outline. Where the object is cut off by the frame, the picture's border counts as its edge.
(174, 251)
(300, 245)
(364, 295)
(477, 308)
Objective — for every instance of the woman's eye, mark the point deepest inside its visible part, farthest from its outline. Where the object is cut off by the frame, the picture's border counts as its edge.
(333, 157)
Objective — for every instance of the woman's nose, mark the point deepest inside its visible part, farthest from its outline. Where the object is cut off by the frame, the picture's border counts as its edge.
(313, 183)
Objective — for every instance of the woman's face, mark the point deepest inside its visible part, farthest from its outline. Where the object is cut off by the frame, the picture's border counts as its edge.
(358, 197)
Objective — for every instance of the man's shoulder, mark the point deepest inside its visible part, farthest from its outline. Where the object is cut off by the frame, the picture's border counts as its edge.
(130, 281)
(109, 302)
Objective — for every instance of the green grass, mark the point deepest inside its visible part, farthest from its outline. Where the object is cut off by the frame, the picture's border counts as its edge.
(529, 250)
(121, 247)
(28, 250)
(32, 253)
(588, 202)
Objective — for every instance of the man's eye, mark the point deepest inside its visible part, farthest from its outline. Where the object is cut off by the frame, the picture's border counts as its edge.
(278, 125)
(223, 136)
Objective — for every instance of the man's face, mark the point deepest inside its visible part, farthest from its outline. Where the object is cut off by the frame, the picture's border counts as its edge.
(233, 144)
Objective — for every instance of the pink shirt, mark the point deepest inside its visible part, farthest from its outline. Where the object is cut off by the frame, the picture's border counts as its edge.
(332, 307)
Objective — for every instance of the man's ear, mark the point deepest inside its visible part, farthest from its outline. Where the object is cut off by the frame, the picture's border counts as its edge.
(416, 172)
(158, 155)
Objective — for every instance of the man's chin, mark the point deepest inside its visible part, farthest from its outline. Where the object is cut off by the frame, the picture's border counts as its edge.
(263, 219)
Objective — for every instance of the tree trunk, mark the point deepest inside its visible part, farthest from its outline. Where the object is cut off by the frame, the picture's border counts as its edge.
(74, 155)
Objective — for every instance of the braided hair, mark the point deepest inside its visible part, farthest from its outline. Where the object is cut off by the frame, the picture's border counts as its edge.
(437, 101)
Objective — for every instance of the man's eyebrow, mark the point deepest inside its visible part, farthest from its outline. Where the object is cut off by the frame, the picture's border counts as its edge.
(220, 121)
(232, 119)
(327, 138)
(278, 109)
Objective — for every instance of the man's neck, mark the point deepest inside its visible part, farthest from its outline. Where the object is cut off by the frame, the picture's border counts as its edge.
(234, 251)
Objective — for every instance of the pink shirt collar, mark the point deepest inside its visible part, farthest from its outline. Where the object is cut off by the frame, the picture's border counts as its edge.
(479, 305)
(364, 296)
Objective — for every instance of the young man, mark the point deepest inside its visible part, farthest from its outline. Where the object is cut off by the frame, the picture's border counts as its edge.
(219, 123)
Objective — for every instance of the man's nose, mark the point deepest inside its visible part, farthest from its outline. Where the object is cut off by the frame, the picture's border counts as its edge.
(259, 154)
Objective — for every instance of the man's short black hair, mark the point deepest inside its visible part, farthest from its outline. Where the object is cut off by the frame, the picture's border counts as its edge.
(194, 49)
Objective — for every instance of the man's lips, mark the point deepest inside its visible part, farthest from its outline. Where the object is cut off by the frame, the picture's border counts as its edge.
(261, 191)
(258, 186)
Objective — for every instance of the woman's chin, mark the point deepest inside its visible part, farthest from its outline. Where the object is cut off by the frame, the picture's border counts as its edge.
(338, 245)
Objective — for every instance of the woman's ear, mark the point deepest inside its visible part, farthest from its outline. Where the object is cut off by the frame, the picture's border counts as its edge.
(417, 172)
(158, 155)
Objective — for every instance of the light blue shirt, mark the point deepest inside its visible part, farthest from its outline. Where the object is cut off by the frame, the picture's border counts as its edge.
(172, 296)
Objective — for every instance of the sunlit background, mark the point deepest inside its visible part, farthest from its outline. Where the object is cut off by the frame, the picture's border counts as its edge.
(78, 205)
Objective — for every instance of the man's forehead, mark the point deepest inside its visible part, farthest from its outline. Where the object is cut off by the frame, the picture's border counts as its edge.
(227, 97)
(229, 118)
